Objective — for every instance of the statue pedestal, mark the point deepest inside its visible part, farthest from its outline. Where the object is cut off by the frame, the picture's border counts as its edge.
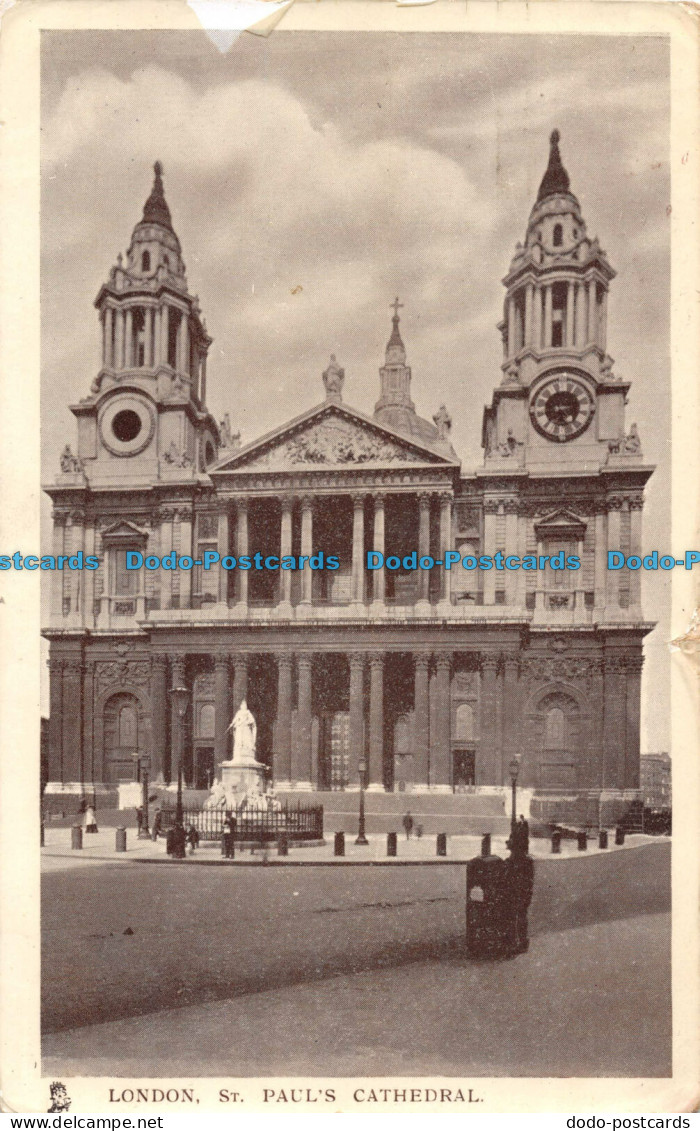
(241, 778)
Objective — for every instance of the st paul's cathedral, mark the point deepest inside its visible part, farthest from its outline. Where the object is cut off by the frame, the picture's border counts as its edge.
(425, 681)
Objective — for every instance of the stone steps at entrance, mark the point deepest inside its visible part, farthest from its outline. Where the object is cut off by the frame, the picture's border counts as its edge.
(451, 813)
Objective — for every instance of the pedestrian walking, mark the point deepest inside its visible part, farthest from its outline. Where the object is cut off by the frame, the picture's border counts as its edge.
(192, 839)
(139, 817)
(523, 836)
(157, 825)
(408, 824)
(90, 819)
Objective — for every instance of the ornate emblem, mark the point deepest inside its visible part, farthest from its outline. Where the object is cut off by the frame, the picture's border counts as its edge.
(116, 673)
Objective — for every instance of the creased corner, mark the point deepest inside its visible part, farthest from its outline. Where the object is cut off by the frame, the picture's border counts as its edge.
(224, 20)
(689, 641)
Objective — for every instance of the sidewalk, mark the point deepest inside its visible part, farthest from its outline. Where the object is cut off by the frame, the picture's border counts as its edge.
(99, 848)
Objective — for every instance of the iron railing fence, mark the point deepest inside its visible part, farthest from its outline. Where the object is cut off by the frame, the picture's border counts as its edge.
(298, 822)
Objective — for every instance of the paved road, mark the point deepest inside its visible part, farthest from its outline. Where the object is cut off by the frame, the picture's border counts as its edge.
(207, 935)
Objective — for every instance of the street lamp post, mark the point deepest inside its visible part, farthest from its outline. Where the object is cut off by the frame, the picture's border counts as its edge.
(143, 766)
(362, 769)
(180, 697)
(514, 769)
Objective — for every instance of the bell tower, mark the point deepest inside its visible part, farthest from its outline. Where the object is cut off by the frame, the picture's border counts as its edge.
(559, 401)
(147, 401)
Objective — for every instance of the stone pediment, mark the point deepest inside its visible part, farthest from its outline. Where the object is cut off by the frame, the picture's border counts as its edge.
(561, 522)
(331, 437)
(124, 529)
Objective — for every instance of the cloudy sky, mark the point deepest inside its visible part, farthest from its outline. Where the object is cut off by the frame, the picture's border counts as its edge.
(313, 176)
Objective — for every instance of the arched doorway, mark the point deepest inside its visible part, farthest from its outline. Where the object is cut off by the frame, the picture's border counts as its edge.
(122, 734)
(558, 723)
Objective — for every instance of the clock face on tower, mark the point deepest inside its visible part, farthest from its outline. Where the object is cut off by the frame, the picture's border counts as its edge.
(562, 407)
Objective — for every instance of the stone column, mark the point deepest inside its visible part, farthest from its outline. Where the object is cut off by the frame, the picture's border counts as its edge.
(570, 314)
(183, 345)
(177, 728)
(301, 764)
(356, 721)
(147, 336)
(128, 338)
(159, 715)
(600, 572)
(441, 763)
(77, 518)
(119, 339)
(527, 335)
(56, 720)
(636, 503)
(358, 549)
(88, 705)
(307, 548)
(376, 723)
(511, 576)
(109, 337)
(283, 730)
(421, 717)
(378, 575)
(634, 690)
(164, 333)
(445, 545)
(592, 311)
(512, 725)
(511, 326)
(240, 680)
(241, 551)
(57, 548)
(223, 549)
(490, 512)
(72, 719)
(89, 582)
(522, 521)
(285, 575)
(615, 720)
(423, 546)
(186, 548)
(580, 339)
(166, 518)
(547, 316)
(614, 505)
(488, 769)
(222, 708)
(537, 319)
(203, 380)
(603, 322)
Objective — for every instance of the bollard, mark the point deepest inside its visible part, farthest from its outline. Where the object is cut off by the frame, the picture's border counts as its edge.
(442, 844)
(603, 838)
(556, 841)
(120, 840)
(76, 837)
(486, 844)
(391, 844)
(41, 842)
(582, 840)
(283, 845)
(339, 844)
(619, 835)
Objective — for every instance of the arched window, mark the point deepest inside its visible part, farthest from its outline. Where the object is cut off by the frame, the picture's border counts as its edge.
(128, 726)
(206, 721)
(402, 735)
(146, 261)
(464, 723)
(558, 237)
(554, 729)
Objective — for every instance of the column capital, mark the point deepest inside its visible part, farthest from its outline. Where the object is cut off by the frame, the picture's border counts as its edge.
(376, 659)
(489, 662)
(617, 665)
(511, 660)
(614, 502)
(55, 664)
(446, 498)
(73, 665)
(307, 502)
(77, 517)
(511, 506)
(443, 662)
(424, 498)
(239, 659)
(358, 500)
(222, 662)
(636, 502)
(490, 506)
(177, 665)
(242, 505)
(286, 501)
(159, 660)
(635, 664)
(422, 660)
(59, 518)
(284, 659)
(357, 661)
(379, 498)
(304, 662)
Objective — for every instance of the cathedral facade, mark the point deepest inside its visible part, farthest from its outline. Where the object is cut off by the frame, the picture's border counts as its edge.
(416, 680)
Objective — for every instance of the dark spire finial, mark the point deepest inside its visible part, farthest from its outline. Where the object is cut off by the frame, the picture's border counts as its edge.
(155, 210)
(395, 339)
(556, 178)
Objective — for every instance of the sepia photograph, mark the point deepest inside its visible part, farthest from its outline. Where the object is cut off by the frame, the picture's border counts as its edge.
(356, 564)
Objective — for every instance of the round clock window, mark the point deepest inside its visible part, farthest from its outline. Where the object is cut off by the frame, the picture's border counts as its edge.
(126, 425)
(562, 408)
